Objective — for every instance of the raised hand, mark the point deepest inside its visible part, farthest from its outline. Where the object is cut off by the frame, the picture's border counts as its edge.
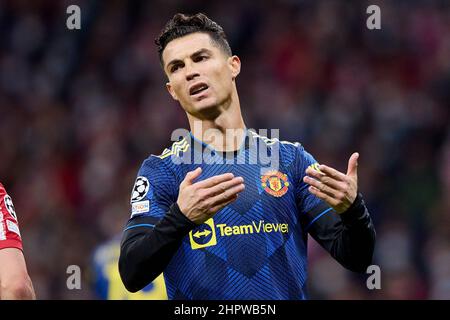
(339, 190)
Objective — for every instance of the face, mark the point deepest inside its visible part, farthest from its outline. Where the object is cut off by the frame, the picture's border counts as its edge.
(201, 76)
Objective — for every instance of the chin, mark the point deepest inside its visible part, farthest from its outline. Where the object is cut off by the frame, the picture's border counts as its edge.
(207, 108)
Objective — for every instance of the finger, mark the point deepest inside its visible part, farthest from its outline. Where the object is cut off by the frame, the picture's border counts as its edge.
(352, 169)
(214, 180)
(327, 180)
(333, 173)
(331, 201)
(192, 175)
(224, 186)
(320, 186)
(219, 207)
(225, 196)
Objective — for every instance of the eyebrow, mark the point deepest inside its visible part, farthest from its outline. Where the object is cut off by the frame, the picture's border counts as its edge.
(195, 54)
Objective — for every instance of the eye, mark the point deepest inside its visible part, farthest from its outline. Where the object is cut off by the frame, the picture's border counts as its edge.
(201, 58)
(174, 68)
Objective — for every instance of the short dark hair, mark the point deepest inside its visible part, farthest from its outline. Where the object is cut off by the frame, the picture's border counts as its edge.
(182, 24)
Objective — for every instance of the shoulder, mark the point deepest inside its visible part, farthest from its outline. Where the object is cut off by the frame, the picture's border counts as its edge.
(274, 141)
(165, 161)
(286, 148)
(291, 153)
(6, 204)
(160, 174)
(177, 149)
(167, 166)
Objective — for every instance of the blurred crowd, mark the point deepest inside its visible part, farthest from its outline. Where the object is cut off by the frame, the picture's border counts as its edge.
(81, 109)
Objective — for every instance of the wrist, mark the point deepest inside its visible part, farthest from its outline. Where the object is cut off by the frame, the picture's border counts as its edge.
(355, 211)
(179, 215)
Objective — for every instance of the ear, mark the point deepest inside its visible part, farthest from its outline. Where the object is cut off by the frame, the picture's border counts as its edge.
(171, 91)
(235, 66)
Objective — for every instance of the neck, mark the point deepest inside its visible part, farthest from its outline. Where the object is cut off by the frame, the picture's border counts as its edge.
(225, 132)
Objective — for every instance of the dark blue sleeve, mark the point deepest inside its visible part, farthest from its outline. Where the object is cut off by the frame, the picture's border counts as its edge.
(348, 237)
(154, 190)
(156, 229)
(310, 207)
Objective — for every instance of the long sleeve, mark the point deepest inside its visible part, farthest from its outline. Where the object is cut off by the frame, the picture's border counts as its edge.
(147, 246)
(349, 237)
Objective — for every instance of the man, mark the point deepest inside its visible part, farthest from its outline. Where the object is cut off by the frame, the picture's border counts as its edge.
(14, 280)
(239, 230)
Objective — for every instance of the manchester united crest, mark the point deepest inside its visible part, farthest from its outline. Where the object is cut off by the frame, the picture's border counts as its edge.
(275, 183)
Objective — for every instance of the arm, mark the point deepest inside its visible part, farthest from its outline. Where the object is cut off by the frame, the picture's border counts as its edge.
(147, 247)
(348, 237)
(345, 230)
(14, 280)
(149, 243)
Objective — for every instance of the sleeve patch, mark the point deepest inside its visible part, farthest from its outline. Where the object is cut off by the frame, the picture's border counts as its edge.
(140, 189)
(140, 207)
(13, 227)
(10, 206)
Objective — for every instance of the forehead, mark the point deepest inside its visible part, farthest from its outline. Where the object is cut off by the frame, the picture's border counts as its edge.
(185, 46)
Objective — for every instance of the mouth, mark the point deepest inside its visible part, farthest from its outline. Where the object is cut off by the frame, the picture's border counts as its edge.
(197, 89)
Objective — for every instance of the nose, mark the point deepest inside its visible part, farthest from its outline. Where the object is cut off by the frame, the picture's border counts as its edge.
(191, 72)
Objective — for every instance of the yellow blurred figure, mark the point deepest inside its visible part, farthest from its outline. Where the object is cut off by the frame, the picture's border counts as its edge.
(107, 282)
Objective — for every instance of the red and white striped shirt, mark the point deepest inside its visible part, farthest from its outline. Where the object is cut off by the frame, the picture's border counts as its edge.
(9, 226)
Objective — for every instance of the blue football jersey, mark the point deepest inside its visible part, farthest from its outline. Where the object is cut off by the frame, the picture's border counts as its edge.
(254, 248)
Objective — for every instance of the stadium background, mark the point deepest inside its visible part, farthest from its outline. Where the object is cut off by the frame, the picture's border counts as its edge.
(80, 110)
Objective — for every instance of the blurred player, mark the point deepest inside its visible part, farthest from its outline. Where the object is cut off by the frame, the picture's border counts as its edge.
(107, 282)
(236, 229)
(14, 280)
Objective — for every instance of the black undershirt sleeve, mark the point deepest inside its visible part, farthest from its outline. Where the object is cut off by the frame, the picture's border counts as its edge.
(349, 237)
(148, 244)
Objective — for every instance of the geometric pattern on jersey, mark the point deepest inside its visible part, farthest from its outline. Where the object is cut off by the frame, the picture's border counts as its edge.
(254, 248)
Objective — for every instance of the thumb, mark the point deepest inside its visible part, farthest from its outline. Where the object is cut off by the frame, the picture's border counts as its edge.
(352, 169)
(192, 175)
